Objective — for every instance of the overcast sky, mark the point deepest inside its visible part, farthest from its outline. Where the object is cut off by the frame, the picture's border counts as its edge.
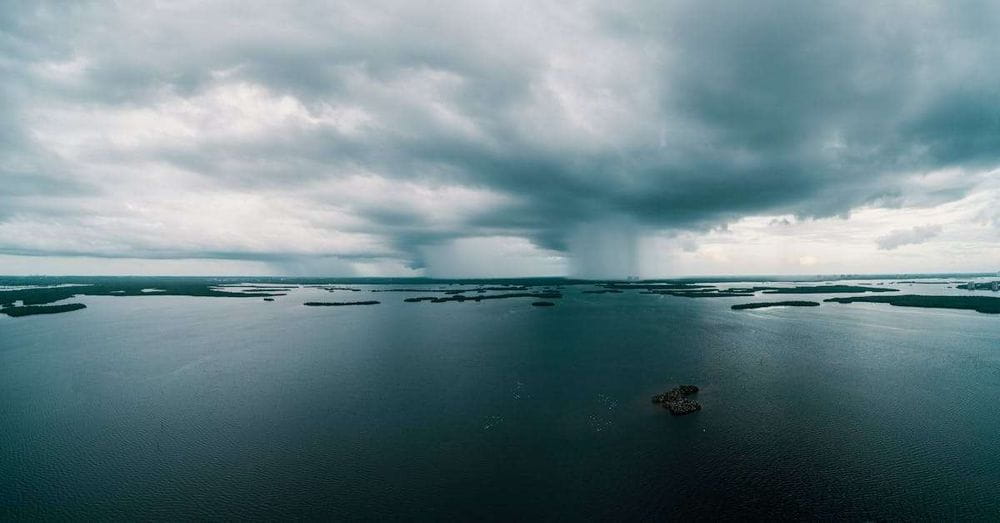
(499, 138)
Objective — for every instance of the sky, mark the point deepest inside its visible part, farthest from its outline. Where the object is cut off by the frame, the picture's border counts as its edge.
(499, 139)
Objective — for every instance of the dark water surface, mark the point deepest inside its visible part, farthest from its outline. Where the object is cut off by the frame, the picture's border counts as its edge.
(183, 407)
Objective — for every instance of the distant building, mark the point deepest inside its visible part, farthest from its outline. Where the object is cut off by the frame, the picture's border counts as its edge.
(971, 286)
(995, 286)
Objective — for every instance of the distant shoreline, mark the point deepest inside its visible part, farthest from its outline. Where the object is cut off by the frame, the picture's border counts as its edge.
(563, 280)
(26, 296)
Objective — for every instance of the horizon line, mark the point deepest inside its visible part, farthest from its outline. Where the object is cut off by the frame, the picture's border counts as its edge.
(545, 277)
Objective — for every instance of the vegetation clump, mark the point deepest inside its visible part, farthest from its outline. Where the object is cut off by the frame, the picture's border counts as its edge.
(31, 310)
(763, 304)
(675, 400)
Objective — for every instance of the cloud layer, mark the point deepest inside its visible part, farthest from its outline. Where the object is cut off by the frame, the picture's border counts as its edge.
(916, 235)
(393, 136)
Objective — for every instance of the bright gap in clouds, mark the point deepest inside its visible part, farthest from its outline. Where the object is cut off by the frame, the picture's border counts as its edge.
(961, 235)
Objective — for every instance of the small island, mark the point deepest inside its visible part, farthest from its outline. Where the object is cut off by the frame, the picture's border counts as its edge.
(480, 297)
(31, 310)
(764, 304)
(542, 304)
(675, 400)
(984, 304)
(338, 303)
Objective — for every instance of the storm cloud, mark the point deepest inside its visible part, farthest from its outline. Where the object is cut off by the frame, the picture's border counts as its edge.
(325, 134)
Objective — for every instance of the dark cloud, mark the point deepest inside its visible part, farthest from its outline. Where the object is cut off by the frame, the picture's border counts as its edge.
(579, 117)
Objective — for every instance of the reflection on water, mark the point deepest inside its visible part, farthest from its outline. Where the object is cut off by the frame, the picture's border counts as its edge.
(179, 407)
